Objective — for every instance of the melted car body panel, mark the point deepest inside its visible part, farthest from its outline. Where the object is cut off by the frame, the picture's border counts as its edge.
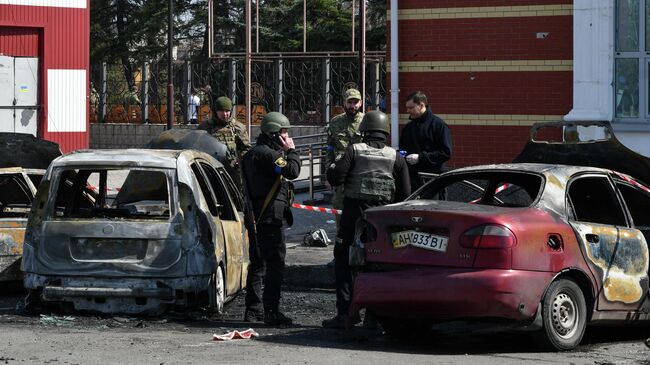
(619, 259)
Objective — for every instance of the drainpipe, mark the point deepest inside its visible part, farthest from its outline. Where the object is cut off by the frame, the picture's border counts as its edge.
(394, 76)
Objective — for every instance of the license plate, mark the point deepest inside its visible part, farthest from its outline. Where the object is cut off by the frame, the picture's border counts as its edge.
(423, 240)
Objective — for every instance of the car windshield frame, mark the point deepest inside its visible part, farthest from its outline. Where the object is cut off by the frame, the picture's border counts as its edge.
(93, 195)
(498, 181)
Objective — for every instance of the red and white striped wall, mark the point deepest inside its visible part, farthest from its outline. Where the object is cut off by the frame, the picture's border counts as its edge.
(58, 33)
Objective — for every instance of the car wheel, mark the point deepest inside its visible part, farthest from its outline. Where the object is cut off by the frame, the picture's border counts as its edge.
(404, 328)
(564, 316)
(217, 291)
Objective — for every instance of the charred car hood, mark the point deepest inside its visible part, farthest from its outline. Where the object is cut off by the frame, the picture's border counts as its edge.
(183, 139)
(606, 152)
(25, 150)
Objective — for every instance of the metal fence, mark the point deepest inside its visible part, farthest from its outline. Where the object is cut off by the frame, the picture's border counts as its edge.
(309, 90)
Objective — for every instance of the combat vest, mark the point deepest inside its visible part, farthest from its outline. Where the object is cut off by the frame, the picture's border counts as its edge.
(226, 135)
(371, 176)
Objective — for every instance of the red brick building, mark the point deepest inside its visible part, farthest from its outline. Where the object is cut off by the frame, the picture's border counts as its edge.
(492, 68)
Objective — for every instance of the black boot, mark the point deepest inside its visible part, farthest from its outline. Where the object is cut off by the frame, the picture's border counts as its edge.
(276, 318)
(253, 315)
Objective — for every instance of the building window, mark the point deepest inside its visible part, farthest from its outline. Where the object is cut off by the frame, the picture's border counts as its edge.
(632, 60)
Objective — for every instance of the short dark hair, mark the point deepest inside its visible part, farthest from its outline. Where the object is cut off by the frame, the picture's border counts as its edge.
(418, 97)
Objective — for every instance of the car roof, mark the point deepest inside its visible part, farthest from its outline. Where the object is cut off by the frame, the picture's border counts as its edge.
(539, 168)
(16, 170)
(131, 158)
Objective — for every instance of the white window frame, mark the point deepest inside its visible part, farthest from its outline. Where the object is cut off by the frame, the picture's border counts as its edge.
(593, 69)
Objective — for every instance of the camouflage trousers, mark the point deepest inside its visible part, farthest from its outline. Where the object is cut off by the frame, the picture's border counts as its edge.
(337, 203)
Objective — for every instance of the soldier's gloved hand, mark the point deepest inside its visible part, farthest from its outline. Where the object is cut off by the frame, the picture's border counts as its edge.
(286, 142)
(413, 158)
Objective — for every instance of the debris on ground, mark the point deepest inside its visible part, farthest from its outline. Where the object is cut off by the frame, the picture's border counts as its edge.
(234, 335)
(316, 238)
(121, 319)
(57, 320)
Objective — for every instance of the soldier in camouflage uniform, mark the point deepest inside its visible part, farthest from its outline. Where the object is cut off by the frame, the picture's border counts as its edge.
(342, 131)
(226, 129)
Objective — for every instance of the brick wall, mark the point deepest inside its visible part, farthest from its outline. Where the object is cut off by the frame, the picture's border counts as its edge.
(480, 145)
(490, 68)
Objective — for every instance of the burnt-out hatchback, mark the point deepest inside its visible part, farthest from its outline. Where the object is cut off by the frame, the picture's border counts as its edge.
(23, 160)
(136, 231)
(548, 248)
(17, 190)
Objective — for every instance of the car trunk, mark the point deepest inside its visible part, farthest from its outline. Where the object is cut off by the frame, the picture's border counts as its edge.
(441, 219)
(110, 248)
(110, 222)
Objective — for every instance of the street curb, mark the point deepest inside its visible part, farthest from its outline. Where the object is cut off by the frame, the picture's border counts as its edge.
(309, 276)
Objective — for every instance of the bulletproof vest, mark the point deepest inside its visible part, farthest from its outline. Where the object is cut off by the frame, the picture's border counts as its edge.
(371, 176)
(226, 135)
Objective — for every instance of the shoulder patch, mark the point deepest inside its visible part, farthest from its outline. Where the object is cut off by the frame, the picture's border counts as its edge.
(280, 162)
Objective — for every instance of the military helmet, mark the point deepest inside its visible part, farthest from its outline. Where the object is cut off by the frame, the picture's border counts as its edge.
(273, 122)
(375, 121)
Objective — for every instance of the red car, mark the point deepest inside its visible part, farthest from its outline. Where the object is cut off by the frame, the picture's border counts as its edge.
(543, 247)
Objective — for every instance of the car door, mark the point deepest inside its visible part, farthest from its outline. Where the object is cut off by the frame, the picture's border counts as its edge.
(218, 236)
(232, 228)
(637, 202)
(610, 247)
(238, 199)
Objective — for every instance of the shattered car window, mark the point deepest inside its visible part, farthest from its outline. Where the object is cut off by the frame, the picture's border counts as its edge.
(638, 203)
(502, 188)
(15, 196)
(593, 200)
(106, 193)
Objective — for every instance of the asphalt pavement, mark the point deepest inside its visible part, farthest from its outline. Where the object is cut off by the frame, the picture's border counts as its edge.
(306, 267)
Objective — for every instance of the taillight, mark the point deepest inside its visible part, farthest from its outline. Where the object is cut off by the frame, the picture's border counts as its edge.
(488, 236)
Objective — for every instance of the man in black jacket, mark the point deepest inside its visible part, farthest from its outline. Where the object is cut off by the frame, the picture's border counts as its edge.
(426, 139)
(373, 174)
(267, 167)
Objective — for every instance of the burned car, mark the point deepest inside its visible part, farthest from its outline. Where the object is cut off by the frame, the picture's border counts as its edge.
(17, 190)
(23, 160)
(548, 248)
(136, 231)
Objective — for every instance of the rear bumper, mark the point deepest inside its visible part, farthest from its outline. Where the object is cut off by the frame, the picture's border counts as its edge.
(447, 293)
(117, 295)
(60, 293)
